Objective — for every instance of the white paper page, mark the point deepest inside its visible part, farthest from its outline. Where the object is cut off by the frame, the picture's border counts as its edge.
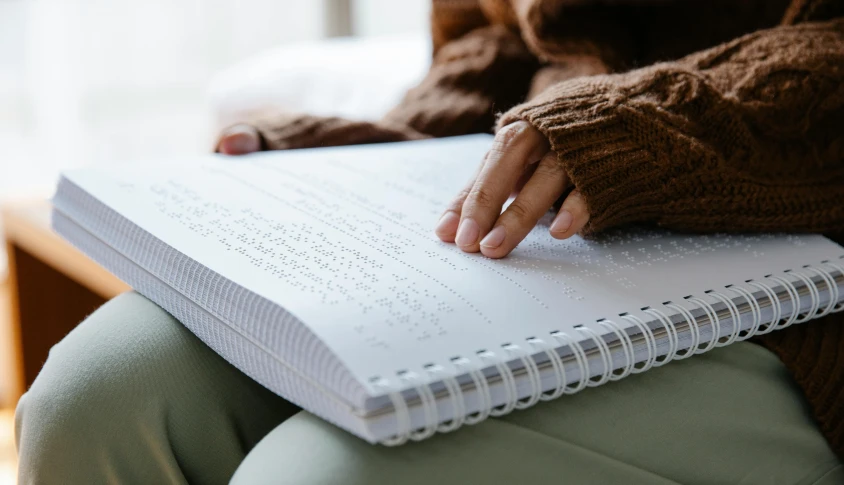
(343, 239)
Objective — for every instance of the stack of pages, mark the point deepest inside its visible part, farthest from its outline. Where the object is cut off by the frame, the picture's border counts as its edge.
(317, 273)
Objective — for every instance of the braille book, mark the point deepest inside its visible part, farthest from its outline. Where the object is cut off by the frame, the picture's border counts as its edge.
(317, 273)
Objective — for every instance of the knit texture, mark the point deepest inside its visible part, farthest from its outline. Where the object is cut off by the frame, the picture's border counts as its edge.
(734, 125)
(290, 131)
(742, 137)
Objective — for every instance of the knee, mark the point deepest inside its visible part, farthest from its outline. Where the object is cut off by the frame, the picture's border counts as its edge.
(305, 450)
(108, 374)
(116, 353)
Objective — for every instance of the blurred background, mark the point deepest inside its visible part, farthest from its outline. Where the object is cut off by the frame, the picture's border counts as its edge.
(88, 80)
(109, 81)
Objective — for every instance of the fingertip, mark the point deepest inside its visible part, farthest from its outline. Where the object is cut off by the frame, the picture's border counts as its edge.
(576, 226)
(468, 234)
(562, 224)
(240, 140)
(572, 218)
(493, 255)
(494, 245)
(448, 238)
(562, 236)
(446, 228)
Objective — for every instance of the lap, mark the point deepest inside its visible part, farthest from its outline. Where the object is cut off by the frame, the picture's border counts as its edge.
(132, 396)
(732, 415)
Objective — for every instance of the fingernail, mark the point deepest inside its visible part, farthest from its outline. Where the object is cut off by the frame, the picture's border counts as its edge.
(240, 140)
(562, 222)
(447, 224)
(495, 237)
(467, 233)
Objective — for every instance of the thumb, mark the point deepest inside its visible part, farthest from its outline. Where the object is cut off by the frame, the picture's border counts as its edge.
(239, 140)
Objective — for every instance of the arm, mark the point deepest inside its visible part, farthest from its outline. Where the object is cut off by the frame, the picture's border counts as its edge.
(742, 137)
(745, 136)
(452, 19)
(471, 77)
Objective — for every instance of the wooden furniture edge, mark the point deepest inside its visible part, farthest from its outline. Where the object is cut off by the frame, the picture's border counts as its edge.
(45, 245)
(17, 386)
(27, 232)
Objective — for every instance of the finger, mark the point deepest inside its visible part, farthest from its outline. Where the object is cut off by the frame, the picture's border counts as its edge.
(526, 175)
(539, 194)
(446, 228)
(239, 140)
(514, 147)
(571, 218)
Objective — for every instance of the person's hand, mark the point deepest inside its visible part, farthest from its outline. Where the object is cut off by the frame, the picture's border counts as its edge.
(474, 221)
(239, 140)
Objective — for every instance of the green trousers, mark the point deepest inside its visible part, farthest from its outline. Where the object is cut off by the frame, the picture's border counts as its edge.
(131, 396)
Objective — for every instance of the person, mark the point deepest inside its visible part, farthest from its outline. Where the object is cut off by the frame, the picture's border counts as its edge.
(692, 115)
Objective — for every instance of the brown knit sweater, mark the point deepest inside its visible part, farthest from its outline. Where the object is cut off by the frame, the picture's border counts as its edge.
(736, 122)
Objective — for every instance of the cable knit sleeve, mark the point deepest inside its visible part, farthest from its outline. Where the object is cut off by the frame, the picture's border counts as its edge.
(746, 136)
(470, 78)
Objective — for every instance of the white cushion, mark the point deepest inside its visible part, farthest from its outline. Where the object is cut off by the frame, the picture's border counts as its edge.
(356, 78)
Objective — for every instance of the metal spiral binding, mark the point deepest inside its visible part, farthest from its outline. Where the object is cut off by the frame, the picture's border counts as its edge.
(558, 366)
(606, 358)
(579, 357)
(714, 321)
(617, 335)
(776, 306)
(482, 387)
(509, 384)
(794, 296)
(429, 406)
(650, 342)
(533, 376)
(455, 395)
(755, 311)
(403, 427)
(627, 348)
(831, 285)
(671, 331)
(694, 328)
(814, 294)
(840, 306)
(735, 316)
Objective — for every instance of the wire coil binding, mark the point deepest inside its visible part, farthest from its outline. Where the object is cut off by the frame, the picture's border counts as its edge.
(694, 329)
(840, 305)
(735, 318)
(671, 331)
(627, 348)
(606, 359)
(650, 342)
(831, 285)
(657, 343)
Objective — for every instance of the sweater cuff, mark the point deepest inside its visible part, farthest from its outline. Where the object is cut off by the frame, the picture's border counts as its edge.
(583, 120)
(291, 131)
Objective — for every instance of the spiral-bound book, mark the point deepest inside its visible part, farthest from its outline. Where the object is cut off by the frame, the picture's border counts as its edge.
(317, 273)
